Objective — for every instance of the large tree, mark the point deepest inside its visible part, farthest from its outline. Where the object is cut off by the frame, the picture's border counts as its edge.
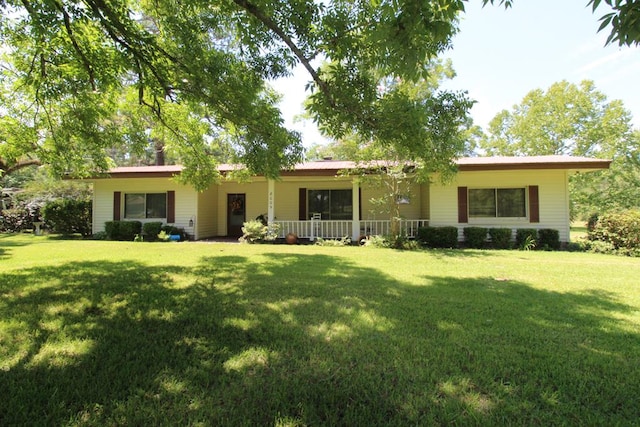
(575, 120)
(67, 64)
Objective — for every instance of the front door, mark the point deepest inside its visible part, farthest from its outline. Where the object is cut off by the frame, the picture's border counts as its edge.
(235, 214)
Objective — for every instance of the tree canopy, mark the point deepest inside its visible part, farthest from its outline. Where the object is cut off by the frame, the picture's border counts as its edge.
(67, 64)
(575, 120)
(200, 71)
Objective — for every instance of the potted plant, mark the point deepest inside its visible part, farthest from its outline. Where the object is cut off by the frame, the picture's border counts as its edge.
(291, 238)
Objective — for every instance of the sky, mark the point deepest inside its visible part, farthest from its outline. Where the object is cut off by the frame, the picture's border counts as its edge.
(500, 55)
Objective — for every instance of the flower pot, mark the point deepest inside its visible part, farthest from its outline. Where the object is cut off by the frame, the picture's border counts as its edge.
(291, 238)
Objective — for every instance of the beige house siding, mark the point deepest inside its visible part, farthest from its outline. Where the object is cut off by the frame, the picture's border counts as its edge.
(411, 210)
(207, 219)
(425, 201)
(287, 193)
(553, 198)
(185, 202)
(255, 200)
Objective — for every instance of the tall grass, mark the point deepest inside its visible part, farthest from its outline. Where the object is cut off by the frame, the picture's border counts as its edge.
(95, 333)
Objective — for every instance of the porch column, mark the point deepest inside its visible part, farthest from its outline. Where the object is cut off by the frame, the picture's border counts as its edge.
(355, 197)
(271, 185)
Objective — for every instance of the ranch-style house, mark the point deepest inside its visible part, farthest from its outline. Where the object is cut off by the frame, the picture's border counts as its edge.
(315, 199)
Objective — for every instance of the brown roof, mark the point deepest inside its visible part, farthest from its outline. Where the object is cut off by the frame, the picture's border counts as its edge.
(331, 167)
(531, 162)
(143, 171)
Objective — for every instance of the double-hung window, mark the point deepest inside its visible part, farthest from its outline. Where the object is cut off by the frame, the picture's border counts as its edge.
(145, 205)
(331, 204)
(497, 203)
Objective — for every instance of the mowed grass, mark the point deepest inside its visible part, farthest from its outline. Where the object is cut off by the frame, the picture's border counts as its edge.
(116, 333)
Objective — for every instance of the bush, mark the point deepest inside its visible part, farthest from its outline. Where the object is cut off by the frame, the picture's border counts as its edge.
(100, 235)
(548, 239)
(475, 237)
(345, 241)
(426, 236)
(500, 238)
(392, 242)
(620, 229)
(150, 230)
(112, 230)
(600, 247)
(15, 220)
(375, 241)
(68, 216)
(438, 237)
(21, 216)
(526, 238)
(592, 221)
(122, 230)
(401, 241)
(576, 246)
(447, 237)
(255, 231)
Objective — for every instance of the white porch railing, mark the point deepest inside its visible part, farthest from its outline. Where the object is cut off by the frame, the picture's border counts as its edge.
(316, 228)
(408, 227)
(338, 229)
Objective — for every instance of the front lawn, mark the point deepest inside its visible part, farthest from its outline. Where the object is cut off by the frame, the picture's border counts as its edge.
(116, 333)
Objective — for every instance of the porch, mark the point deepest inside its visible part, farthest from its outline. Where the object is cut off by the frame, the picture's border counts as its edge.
(328, 229)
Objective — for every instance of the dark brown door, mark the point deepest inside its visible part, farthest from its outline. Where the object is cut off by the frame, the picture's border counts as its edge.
(235, 214)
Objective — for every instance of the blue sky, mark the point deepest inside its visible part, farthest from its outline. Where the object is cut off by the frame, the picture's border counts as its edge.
(500, 55)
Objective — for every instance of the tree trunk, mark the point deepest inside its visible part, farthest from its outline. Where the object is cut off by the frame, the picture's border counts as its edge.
(159, 152)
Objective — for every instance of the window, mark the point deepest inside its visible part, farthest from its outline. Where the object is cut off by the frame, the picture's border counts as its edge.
(497, 202)
(141, 205)
(331, 204)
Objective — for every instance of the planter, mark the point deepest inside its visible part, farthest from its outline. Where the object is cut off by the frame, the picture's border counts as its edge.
(291, 238)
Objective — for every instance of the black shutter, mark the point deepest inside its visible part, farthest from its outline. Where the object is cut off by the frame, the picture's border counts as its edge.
(302, 207)
(534, 204)
(117, 200)
(171, 207)
(463, 208)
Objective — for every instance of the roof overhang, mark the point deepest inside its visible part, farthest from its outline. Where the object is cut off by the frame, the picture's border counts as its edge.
(333, 168)
(576, 164)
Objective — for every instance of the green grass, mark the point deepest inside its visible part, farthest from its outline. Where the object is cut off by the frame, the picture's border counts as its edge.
(578, 231)
(115, 333)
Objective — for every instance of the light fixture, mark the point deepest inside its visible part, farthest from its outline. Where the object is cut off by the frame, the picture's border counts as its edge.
(191, 222)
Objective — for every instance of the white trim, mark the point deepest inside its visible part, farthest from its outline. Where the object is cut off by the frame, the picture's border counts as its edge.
(271, 194)
(355, 206)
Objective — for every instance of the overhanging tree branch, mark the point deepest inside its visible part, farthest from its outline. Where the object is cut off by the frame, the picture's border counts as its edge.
(273, 26)
(18, 165)
(76, 46)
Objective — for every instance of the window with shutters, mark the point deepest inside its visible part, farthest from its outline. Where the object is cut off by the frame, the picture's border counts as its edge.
(497, 203)
(145, 205)
(330, 204)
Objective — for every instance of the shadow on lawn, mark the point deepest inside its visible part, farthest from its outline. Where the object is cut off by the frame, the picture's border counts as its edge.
(6, 242)
(308, 339)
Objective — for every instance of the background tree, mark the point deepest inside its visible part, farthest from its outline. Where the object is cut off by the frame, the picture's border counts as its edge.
(575, 120)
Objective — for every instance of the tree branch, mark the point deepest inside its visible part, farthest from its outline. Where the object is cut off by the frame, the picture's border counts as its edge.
(19, 165)
(76, 46)
(119, 34)
(273, 26)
